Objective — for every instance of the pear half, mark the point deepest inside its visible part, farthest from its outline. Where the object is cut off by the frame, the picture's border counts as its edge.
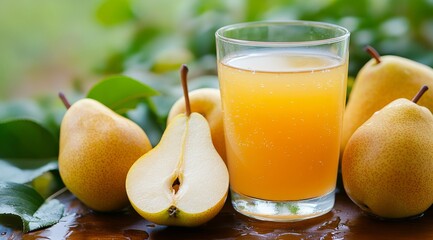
(183, 181)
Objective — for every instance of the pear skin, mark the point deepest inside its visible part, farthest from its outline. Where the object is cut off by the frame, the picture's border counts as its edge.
(378, 84)
(97, 148)
(388, 162)
(185, 154)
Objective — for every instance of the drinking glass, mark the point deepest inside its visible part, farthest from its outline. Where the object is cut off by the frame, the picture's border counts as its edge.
(283, 90)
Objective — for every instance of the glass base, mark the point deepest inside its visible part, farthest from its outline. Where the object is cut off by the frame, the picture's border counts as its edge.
(282, 211)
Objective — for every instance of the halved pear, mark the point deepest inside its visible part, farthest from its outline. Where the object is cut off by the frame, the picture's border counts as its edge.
(183, 181)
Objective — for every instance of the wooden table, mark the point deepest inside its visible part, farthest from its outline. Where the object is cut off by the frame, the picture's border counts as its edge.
(345, 221)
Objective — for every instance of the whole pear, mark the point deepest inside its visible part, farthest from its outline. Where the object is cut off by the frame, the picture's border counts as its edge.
(388, 162)
(379, 82)
(97, 148)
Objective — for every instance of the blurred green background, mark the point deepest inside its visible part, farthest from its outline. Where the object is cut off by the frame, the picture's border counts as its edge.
(47, 45)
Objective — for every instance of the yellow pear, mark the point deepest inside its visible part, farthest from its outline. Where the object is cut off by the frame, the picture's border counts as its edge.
(97, 148)
(182, 181)
(388, 162)
(207, 102)
(379, 82)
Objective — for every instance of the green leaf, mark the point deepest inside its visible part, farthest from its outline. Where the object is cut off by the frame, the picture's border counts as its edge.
(20, 200)
(24, 138)
(30, 109)
(20, 174)
(146, 118)
(113, 12)
(120, 93)
(22, 108)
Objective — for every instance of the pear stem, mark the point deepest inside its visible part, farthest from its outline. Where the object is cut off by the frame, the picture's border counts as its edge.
(420, 93)
(184, 79)
(64, 100)
(373, 53)
(56, 194)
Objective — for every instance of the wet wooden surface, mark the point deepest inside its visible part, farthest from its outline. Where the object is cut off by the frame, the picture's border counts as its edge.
(345, 221)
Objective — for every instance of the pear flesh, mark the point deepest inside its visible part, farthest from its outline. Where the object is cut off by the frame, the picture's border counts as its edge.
(97, 148)
(378, 84)
(388, 162)
(185, 157)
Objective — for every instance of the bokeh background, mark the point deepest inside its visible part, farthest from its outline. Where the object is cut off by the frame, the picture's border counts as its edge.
(48, 46)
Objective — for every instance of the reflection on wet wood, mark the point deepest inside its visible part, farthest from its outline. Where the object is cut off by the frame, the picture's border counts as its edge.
(344, 221)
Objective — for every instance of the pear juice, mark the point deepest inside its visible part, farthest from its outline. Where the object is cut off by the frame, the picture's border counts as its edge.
(283, 120)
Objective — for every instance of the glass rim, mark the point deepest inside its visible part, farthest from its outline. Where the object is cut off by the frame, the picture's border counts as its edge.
(344, 33)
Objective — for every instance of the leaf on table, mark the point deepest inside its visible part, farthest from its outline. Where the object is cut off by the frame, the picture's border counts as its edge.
(48, 214)
(25, 171)
(120, 93)
(22, 201)
(25, 138)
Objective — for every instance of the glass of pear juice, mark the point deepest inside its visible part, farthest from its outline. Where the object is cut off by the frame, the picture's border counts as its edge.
(283, 90)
